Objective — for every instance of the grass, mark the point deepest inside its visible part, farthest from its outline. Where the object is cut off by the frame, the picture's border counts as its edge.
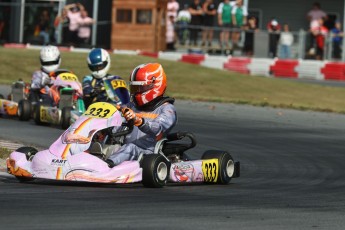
(186, 81)
(4, 152)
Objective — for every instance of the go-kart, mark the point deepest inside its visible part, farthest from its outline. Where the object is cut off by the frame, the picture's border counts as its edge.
(79, 155)
(9, 106)
(116, 92)
(67, 94)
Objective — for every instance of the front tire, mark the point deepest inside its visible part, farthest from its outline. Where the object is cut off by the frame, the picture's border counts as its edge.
(155, 171)
(24, 110)
(66, 117)
(37, 114)
(226, 164)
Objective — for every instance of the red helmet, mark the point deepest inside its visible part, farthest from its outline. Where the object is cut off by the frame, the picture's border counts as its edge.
(147, 82)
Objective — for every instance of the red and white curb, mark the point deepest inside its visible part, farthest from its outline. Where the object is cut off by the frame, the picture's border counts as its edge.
(277, 68)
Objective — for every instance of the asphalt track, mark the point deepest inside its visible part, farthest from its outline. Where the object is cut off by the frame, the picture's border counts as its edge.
(292, 178)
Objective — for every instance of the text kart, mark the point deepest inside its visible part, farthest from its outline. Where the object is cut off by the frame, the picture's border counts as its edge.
(79, 154)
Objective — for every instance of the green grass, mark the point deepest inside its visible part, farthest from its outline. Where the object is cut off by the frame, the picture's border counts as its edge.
(4, 153)
(187, 81)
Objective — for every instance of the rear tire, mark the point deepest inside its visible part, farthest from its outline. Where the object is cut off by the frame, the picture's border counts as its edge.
(226, 164)
(155, 171)
(24, 110)
(29, 153)
(37, 114)
(66, 117)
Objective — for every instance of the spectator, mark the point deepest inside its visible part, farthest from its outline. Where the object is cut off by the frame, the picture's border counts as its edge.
(273, 28)
(172, 9)
(61, 20)
(313, 16)
(285, 41)
(337, 39)
(2, 22)
(170, 33)
(250, 29)
(225, 21)
(73, 14)
(84, 30)
(44, 26)
(210, 11)
(239, 18)
(196, 12)
(320, 36)
(183, 20)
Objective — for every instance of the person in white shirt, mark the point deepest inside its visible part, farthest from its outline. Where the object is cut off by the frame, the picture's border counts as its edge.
(183, 20)
(84, 30)
(285, 42)
(172, 9)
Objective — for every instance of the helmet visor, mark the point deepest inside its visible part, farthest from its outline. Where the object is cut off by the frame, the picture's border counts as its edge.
(49, 63)
(98, 67)
(139, 87)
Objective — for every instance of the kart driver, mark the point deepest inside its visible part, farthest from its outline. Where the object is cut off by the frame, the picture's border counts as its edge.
(93, 85)
(153, 114)
(43, 78)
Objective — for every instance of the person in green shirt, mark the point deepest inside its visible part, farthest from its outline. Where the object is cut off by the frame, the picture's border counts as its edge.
(239, 17)
(225, 21)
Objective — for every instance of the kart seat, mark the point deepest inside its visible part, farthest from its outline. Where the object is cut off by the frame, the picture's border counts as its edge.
(172, 146)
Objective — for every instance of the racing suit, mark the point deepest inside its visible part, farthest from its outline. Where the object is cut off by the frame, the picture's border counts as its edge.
(93, 90)
(39, 90)
(157, 123)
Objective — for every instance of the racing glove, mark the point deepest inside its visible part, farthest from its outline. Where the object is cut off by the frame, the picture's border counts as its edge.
(129, 114)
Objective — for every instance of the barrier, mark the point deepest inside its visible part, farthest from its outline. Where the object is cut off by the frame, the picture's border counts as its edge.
(148, 54)
(260, 66)
(216, 62)
(193, 58)
(172, 56)
(310, 69)
(284, 68)
(237, 65)
(334, 71)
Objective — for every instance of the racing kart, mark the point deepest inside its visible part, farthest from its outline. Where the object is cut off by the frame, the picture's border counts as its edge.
(9, 106)
(65, 93)
(79, 155)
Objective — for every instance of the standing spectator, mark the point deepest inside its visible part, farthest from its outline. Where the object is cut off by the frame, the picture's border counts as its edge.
(313, 16)
(74, 15)
(320, 38)
(337, 39)
(84, 30)
(225, 21)
(61, 20)
(2, 22)
(170, 33)
(273, 28)
(183, 20)
(196, 12)
(172, 9)
(250, 29)
(285, 41)
(44, 26)
(210, 11)
(239, 18)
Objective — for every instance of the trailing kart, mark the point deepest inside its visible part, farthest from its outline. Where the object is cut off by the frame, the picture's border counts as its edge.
(116, 92)
(66, 93)
(80, 153)
(9, 106)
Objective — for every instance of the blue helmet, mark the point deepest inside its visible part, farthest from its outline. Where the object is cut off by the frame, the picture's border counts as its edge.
(99, 62)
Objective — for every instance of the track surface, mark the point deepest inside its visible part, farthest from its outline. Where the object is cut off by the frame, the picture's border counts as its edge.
(292, 178)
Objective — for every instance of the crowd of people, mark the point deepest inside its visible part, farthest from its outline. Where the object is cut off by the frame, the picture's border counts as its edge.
(232, 20)
(73, 26)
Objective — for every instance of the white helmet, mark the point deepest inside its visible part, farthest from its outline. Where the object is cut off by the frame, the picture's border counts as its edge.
(50, 58)
(98, 61)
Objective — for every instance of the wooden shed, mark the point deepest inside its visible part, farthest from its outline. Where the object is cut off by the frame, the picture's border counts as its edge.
(138, 25)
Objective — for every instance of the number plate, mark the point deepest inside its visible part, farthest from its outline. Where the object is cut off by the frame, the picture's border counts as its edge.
(210, 170)
(100, 110)
(68, 77)
(118, 83)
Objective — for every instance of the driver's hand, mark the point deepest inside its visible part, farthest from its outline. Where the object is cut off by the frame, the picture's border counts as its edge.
(129, 114)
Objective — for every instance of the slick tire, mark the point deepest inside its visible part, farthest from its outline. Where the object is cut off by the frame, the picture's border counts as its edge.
(37, 115)
(24, 110)
(155, 171)
(226, 165)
